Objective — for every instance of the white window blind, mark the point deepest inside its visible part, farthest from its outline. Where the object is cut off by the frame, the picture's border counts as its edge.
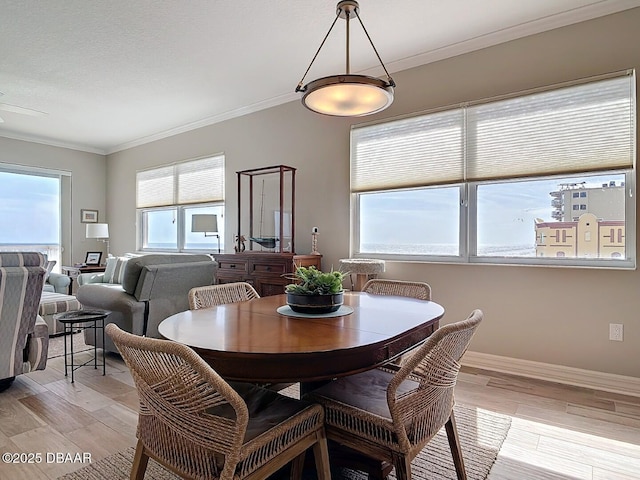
(407, 153)
(155, 187)
(581, 128)
(195, 181)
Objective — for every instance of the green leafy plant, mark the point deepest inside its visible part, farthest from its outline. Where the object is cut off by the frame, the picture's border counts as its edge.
(311, 281)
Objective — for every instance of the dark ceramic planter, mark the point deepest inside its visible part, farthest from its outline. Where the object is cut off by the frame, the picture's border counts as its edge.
(315, 303)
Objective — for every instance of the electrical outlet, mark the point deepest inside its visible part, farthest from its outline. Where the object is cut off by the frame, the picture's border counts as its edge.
(615, 331)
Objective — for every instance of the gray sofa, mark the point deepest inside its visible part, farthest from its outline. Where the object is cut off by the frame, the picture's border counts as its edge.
(152, 288)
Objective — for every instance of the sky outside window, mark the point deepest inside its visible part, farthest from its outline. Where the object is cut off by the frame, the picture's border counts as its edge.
(30, 211)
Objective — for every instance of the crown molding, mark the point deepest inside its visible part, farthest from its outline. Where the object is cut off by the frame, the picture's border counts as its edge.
(52, 143)
(239, 112)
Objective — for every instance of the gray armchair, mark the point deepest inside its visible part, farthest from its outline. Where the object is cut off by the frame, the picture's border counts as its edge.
(152, 288)
(54, 282)
(24, 337)
(57, 282)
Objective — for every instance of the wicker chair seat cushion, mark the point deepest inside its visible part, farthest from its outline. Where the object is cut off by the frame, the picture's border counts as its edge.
(365, 391)
(266, 408)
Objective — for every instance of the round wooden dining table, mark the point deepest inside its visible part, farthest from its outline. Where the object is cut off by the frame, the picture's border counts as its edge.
(250, 341)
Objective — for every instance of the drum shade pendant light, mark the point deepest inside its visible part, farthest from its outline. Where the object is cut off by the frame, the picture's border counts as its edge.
(347, 95)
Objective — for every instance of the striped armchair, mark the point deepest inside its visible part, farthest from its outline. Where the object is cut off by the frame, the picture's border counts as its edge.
(24, 338)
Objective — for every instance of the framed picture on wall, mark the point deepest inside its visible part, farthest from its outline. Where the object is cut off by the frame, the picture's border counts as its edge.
(89, 216)
(93, 258)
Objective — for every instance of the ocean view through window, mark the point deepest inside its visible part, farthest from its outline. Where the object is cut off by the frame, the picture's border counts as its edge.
(544, 178)
(30, 216)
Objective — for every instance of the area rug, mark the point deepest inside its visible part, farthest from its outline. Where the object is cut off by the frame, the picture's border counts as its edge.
(56, 345)
(481, 435)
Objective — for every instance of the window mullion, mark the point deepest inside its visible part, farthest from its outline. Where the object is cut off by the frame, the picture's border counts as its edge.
(471, 218)
(181, 227)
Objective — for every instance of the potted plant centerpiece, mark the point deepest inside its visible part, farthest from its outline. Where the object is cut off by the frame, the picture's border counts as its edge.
(315, 291)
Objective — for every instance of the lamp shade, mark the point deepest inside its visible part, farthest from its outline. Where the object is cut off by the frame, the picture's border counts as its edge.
(97, 230)
(204, 223)
(347, 95)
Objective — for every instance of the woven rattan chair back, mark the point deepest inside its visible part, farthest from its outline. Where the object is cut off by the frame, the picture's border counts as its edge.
(195, 424)
(380, 286)
(420, 400)
(400, 288)
(435, 365)
(211, 295)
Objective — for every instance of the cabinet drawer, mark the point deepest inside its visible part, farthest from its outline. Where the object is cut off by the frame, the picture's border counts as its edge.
(271, 268)
(232, 266)
(229, 278)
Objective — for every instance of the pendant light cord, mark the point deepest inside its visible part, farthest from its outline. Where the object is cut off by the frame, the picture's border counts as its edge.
(390, 80)
(299, 88)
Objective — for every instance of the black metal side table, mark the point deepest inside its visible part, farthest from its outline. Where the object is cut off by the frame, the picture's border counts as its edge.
(82, 320)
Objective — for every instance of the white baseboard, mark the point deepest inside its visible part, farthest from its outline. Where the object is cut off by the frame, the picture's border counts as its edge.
(608, 382)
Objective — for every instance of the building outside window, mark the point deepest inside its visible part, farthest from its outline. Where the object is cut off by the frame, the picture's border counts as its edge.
(480, 183)
(169, 196)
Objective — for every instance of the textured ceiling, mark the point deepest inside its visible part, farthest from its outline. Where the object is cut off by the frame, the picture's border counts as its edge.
(111, 75)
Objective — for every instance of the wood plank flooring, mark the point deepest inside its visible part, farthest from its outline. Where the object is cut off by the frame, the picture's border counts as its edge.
(558, 432)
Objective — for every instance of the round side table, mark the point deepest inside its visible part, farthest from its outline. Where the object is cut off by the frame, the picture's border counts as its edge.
(82, 320)
(362, 268)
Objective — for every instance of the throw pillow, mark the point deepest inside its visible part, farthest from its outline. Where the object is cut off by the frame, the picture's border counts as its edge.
(109, 269)
(118, 271)
(114, 270)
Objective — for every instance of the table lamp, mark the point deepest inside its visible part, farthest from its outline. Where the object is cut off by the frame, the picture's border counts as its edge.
(99, 231)
(206, 223)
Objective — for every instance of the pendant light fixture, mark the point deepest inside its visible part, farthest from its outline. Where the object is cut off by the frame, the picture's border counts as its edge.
(347, 95)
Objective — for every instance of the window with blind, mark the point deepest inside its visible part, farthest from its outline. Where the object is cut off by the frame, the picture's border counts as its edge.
(167, 198)
(537, 178)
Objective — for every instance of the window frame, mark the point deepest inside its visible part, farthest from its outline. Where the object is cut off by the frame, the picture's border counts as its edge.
(178, 168)
(468, 205)
(468, 231)
(180, 221)
(63, 179)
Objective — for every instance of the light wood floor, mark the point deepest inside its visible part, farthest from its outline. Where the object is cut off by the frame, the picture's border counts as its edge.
(557, 432)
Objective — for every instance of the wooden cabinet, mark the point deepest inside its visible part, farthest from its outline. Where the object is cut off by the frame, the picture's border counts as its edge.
(266, 271)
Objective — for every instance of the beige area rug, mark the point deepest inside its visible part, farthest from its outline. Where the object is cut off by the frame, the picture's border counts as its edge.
(56, 345)
(481, 434)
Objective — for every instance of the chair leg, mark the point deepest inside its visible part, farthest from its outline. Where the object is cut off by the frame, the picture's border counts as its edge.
(454, 444)
(321, 456)
(297, 466)
(402, 464)
(140, 460)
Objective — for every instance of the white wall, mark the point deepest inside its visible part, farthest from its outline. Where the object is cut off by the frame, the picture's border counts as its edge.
(527, 314)
(88, 188)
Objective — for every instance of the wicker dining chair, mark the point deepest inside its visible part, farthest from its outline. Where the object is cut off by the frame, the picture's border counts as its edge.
(402, 288)
(200, 427)
(391, 415)
(211, 295)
